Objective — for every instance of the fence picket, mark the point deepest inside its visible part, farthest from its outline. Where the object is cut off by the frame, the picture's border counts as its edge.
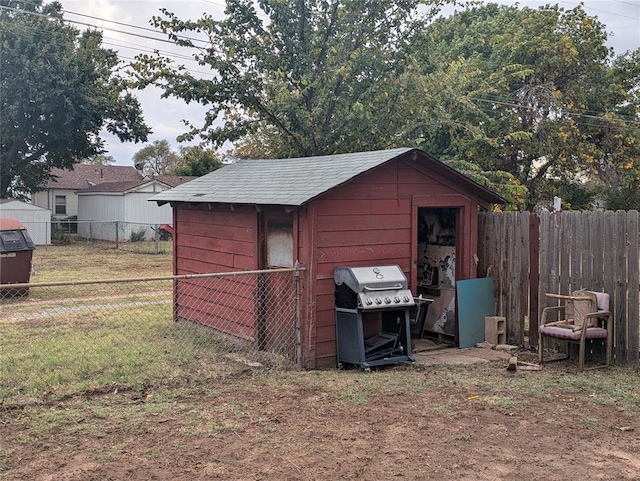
(592, 250)
(633, 338)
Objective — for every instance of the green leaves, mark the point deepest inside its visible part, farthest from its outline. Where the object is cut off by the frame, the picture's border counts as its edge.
(59, 92)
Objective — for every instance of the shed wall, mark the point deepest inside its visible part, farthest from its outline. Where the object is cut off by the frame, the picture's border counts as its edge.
(210, 241)
(370, 221)
(102, 211)
(36, 220)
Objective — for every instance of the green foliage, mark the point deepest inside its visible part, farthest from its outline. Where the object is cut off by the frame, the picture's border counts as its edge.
(156, 158)
(623, 197)
(59, 91)
(297, 78)
(99, 159)
(196, 161)
(532, 92)
(526, 96)
(138, 235)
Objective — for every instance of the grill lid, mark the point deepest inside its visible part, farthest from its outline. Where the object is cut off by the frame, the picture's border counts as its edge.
(376, 287)
(363, 279)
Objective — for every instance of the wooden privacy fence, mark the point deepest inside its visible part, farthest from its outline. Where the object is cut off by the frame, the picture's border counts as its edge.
(529, 255)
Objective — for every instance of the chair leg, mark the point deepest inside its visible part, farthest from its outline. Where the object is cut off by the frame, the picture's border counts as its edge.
(581, 355)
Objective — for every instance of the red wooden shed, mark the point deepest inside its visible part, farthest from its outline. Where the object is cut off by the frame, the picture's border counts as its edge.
(397, 206)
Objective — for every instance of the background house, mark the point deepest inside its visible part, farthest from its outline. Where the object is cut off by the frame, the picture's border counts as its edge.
(59, 194)
(362, 209)
(36, 219)
(116, 210)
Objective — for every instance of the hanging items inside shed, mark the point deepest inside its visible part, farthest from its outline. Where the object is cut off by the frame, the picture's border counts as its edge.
(437, 268)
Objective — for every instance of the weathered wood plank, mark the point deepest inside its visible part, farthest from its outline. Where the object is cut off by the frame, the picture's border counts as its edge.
(373, 237)
(545, 241)
(633, 337)
(534, 278)
(565, 219)
(337, 222)
(620, 285)
(597, 251)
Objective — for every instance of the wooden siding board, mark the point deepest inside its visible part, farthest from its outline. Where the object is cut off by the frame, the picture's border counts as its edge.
(371, 254)
(222, 324)
(338, 223)
(364, 207)
(190, 241)
(371, 237)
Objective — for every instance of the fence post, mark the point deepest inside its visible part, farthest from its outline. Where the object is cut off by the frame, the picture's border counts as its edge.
(157, 238)
(90, 230)
(297, 302)
(117, 240)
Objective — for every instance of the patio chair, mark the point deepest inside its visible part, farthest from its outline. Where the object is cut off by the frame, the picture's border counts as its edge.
(582, 316)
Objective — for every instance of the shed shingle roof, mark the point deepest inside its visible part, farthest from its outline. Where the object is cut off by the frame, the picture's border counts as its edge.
(291, 182)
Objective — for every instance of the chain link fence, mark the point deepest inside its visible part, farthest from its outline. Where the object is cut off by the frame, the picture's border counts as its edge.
(59, 339)
(131, 236)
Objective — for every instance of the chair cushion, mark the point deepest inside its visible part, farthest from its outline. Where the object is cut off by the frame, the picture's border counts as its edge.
(570, 334)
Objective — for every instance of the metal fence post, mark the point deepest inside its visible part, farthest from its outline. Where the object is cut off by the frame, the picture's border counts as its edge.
(156, 231)
(117, 241)
(297, 302)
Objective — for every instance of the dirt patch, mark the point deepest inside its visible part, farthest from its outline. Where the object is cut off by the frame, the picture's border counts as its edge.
(474, 423)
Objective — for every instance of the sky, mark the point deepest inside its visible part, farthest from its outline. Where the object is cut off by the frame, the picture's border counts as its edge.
(119, 18)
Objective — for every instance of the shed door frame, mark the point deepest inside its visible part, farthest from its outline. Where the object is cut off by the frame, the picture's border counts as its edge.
(464, 227)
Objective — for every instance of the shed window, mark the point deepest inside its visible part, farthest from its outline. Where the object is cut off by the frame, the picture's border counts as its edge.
(61, 204)
(280, 242)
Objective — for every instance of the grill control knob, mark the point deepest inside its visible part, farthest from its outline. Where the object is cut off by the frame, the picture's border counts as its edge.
(387, 300)
(405, 298)
(396, 300)
(368, 301)
(378, 300)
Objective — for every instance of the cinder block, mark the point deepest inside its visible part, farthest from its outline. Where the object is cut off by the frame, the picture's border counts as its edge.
(495, 329)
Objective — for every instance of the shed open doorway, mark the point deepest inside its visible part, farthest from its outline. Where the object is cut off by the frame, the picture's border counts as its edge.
(436, 269)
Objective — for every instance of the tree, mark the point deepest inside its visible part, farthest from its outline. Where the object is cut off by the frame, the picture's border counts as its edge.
(298, 78)
(196, 161)
(156, 158)
(535, 93)
(99, 159)
(59, 91)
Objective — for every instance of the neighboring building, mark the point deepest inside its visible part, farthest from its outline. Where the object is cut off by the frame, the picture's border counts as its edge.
(36, 219)
(361, 209)
(59, 194)
(114, 210)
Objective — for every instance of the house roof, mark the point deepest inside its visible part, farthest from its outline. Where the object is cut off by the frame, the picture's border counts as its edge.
(174, 180)
(296, 181)
(85, 175)
(119, 187)
(15, 204)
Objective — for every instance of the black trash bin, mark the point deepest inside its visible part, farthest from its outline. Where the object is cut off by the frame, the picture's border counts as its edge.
(16, 251)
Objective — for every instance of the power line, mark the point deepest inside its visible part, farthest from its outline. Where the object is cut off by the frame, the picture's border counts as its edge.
(608, 12)
(84, 24)
(183, 37)
(570, 112)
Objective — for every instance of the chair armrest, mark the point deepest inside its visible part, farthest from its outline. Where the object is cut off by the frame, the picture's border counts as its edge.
(547, 310)
(605, 316)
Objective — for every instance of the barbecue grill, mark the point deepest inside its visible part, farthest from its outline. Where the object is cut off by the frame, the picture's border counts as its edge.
(372, 316)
